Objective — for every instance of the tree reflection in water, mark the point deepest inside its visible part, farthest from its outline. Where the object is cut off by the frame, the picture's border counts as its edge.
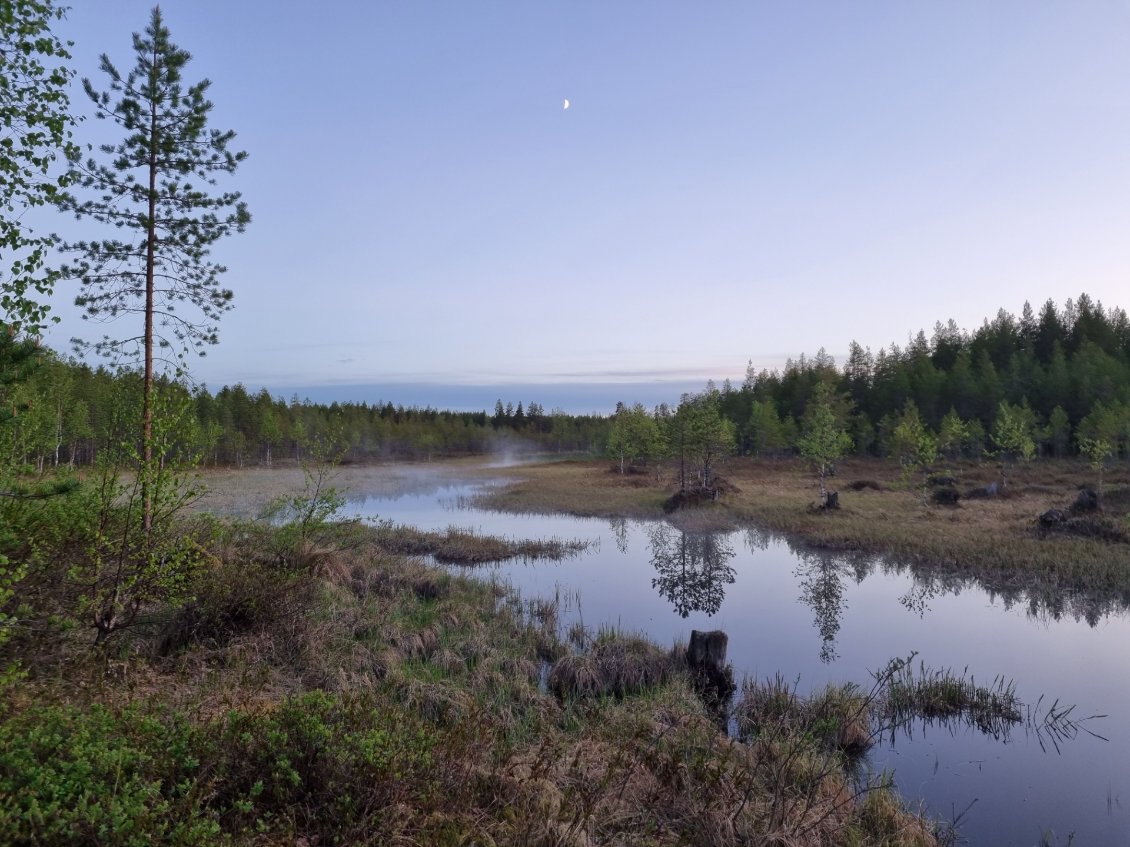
(693, 572)
(693, 568)
(619, 529)
(822, 581)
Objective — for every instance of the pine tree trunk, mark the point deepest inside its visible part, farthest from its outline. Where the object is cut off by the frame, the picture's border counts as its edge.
(150, 263)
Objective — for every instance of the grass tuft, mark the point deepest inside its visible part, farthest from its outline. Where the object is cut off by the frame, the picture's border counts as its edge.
(615, 666)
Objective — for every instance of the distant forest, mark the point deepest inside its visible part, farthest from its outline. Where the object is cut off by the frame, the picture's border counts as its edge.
(1064, 371)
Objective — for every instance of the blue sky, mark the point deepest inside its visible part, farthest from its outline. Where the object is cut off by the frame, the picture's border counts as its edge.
(732, 181)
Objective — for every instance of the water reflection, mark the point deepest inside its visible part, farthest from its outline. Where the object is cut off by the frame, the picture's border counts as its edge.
(862, 609)
(693, 573)
(620, 531)
(693, 568)
(821, 579)
(1043, 597)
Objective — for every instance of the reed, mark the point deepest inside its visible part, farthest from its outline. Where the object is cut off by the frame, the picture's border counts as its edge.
(941, 695)
(457, 546)
(837, 718)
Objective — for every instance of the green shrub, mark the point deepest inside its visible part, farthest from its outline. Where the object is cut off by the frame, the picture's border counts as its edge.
(322, 765)
(73, 777)
(317, 765)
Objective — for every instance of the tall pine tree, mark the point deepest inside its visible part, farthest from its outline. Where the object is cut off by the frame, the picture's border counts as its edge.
(153, 188)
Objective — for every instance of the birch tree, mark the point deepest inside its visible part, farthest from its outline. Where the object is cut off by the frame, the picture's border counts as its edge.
(824, 441)
(35, 144)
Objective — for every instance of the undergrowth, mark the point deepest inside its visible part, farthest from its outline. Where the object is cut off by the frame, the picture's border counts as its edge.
(320, 688)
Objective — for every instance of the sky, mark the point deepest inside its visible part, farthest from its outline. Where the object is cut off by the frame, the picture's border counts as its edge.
(731, 182)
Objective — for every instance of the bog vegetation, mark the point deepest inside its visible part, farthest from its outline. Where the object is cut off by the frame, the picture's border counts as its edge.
(178, 679)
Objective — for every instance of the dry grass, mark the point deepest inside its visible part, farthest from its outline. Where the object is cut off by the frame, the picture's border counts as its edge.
(615, 666)
(408, 705)
(586, 489)
(456, 546)
(997, 533)
(839, 717)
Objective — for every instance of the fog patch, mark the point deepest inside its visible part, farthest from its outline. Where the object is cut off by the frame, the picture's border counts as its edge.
(510, 452)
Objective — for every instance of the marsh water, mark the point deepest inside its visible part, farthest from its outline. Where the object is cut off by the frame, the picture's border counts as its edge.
(816, 618)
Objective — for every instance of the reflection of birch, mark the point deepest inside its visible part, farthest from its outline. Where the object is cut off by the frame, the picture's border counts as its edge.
(619, 529)
(822, 580)
(757, 539)
(693, 568)
(918, 596)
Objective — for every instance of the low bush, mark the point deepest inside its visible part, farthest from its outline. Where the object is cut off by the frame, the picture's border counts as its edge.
(232, 599)
(129, 778)
(328, 767)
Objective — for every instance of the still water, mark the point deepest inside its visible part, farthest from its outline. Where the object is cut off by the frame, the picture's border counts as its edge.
(817, 618)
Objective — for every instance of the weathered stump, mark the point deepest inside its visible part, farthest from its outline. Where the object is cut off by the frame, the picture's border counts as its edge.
(945, 496)
(986, 492)
(713, 678)
(1087, 501)
(1053, 518)
(707, 650)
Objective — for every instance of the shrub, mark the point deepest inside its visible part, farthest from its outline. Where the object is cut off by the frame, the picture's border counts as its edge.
(100, 777)
(322, 765)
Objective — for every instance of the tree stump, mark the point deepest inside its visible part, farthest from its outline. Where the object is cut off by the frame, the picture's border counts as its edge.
(707, 650)
(1086, 502)
(713, 678)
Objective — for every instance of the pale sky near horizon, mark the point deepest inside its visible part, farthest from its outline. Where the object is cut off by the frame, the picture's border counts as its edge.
(732, 181)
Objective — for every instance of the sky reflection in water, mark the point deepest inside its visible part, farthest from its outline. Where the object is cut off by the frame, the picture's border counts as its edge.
(818, 618)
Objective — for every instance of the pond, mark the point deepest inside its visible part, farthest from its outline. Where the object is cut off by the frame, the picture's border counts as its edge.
(816, 618)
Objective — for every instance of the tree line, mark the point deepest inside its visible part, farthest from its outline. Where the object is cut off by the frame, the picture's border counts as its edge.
(1063, 373)
(1059, 380)
(1053, 383)
(66, 414)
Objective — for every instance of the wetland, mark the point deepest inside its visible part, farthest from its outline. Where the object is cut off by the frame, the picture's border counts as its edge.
(823, 607)
(476, 652)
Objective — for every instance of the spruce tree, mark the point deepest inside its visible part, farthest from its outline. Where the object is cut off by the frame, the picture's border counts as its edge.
(153, 188)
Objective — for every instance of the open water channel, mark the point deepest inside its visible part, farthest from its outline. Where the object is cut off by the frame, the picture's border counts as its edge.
(817, 618)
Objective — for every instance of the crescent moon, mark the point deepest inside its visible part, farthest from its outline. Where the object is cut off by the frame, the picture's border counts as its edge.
(566, 104)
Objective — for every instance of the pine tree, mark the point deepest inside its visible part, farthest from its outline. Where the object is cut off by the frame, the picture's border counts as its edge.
(153, 187)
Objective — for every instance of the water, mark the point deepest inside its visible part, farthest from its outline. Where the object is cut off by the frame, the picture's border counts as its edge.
(819, 618)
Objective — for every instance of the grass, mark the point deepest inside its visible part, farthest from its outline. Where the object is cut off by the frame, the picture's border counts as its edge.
(838, 718)
(995, 541)
(455, 546)
(340, 692)
(941, 695)
(614, 666)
